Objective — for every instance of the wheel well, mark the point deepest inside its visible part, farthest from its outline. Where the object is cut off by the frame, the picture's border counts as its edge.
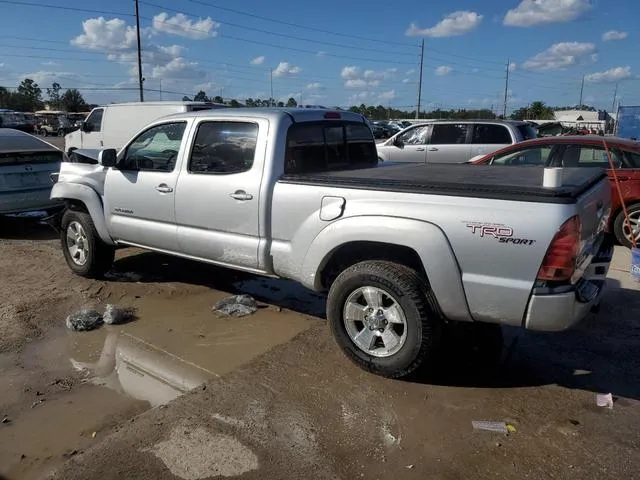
(76, 205)
(351, 253)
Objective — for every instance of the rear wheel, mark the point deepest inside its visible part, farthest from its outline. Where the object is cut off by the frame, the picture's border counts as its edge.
(621, 229)
(384, 317)
(86, 254)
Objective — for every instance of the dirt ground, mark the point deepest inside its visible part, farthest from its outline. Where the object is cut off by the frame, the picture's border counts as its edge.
(270, 396)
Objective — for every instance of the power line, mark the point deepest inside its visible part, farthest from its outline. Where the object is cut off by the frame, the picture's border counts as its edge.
(297, 25)
(283, 35)
(60, 7)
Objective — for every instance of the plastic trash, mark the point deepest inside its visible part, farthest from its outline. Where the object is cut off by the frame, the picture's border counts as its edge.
(237, 306)
(604, 400)
(114, 315)
(84, 320)
(500, 427)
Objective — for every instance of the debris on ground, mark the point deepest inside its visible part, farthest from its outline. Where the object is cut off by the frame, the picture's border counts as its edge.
(93, 435)
(114, 315)
(409, 467)
(237, 306)
(500, 427)
(123, 276)
(6, 420)
(604, 400)
(84, 320)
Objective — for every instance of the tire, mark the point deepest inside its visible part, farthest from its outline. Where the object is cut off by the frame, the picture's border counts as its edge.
(619, 225)
(98, 256)
(419, 334)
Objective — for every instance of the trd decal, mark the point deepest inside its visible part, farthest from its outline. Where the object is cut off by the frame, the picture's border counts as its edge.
(500, 232)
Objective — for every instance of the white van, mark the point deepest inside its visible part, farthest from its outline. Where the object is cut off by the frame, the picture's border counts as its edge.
(111, 126)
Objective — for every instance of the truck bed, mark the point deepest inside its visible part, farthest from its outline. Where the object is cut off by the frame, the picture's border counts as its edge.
(518, 183)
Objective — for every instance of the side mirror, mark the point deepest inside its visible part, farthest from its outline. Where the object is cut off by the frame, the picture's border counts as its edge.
(398, 142)
(107, 157)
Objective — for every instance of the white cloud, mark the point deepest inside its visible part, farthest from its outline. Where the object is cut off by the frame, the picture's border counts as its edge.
(614, 35)
(182, 26)
(513, 66)
(411, 71)
(443, 70)
(386, 96)
(453, 24)
(594, 57)
(359, 97)
(321, 54)
(45, 78)
(284, 68)
(350, 72)
(107, 35)
(258, 60)
(609, 76)
(314, 86)
(355, 83)
(559, 55)
(50, 63)
(178, 68)
(406, 80)
(537, 12)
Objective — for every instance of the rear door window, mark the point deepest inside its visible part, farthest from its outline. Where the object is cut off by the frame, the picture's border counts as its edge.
(532, 156)
(449, 134)
(589, 156)
(322, 147)
(491, 134)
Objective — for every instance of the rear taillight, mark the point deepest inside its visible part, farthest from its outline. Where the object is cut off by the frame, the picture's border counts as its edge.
(559, 263)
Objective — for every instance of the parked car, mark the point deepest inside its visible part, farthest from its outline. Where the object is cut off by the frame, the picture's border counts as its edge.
(298, 194)
(378, 131)
(452, 141)
(582, 152)
(112, 125)
(26, 165)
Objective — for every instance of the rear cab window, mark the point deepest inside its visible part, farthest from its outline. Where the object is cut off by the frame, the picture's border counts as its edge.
(315, 147)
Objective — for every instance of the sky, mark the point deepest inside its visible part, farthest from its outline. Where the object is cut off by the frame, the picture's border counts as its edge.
(333, 53)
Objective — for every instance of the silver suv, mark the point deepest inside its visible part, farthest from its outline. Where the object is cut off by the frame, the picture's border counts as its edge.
(452, 141)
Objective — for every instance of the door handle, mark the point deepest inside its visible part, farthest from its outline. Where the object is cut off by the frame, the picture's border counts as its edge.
(420, 149)
(241, 195)
(433, 149)
(164, 188)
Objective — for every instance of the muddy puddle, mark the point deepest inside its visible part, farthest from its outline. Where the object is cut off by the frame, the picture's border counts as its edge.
(69, 389)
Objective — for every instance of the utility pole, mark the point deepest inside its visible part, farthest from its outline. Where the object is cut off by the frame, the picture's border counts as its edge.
(581, 92)
(140, 80)
(271, 100)
(420, 80)
(160, 89)
(615, 94)
(506, 91)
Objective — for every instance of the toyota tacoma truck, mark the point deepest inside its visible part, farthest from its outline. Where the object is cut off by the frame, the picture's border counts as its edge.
(401, 250)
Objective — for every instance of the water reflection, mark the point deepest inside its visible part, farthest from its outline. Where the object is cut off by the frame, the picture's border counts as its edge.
(133, 367)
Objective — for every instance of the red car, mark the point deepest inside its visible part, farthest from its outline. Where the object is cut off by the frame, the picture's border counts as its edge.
(585, 151)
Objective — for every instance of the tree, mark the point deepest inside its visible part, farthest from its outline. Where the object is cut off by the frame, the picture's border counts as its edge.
(186, 99)
(218, 99)
(249, 102)
(292, 102)
(234, 103)
(535, 111)
(28, 96)
(201, 97)
(281, 104)
(72, 101)
(54, 95)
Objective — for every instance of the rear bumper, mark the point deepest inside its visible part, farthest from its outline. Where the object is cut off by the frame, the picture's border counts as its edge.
(27, 201)
(556, 309)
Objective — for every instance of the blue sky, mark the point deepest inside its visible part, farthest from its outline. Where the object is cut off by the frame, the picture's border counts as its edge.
(331, 52)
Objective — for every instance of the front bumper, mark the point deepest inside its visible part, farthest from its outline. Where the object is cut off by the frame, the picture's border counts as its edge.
(556, 309)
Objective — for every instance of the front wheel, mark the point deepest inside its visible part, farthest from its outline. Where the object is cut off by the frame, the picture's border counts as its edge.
(86, 254)
(384, 317)
(621, 229)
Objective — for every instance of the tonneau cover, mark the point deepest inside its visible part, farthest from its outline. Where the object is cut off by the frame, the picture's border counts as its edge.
(519, 183)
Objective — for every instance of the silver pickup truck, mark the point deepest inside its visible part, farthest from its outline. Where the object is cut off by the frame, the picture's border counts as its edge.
(402, 250)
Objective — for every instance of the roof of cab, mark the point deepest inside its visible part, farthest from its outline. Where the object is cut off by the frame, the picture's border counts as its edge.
(295, 114)
(15, 141)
